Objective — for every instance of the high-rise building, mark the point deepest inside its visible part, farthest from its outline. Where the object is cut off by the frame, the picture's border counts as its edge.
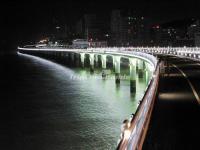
(79, 29)
(128, 29)
(169, 36)
(90, 27)
(193, 29)
(115, 28)
(155, 35)
(194, 32)
(197, 39)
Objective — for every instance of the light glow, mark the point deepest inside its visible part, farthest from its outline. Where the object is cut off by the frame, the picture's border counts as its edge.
(127, 134)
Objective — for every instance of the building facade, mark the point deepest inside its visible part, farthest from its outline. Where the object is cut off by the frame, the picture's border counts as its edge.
(128, 29)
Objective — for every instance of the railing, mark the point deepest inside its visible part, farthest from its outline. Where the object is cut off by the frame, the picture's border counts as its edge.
(134, 136)
(192, 53)
(147, 57)
(117, 51)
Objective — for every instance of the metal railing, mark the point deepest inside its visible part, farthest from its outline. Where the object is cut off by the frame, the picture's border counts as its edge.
(139, 123)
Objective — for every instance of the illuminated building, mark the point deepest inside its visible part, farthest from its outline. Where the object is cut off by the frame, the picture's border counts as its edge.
(127, 29)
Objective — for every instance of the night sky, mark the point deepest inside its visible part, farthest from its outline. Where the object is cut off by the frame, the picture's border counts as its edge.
(28, 20)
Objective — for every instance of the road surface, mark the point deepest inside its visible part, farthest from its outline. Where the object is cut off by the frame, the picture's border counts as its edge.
(175, 122)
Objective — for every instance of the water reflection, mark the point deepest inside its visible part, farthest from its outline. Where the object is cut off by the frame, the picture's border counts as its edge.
(89, 110)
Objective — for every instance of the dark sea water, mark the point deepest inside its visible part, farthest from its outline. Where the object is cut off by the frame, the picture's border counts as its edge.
(43, 108)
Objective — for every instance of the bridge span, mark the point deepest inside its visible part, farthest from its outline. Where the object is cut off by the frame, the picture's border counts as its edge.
(138, 62)
(167, 116)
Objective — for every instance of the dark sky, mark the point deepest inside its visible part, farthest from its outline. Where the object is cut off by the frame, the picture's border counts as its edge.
(24, 20)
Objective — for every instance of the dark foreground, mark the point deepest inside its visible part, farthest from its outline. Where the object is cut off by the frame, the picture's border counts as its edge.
(175, 122)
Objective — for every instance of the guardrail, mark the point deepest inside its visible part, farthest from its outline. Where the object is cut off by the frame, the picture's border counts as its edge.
(134, 135)
(117, 51)
(192, 53)
(162, 50)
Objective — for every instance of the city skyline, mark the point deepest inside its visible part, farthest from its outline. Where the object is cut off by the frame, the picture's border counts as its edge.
(32, 20)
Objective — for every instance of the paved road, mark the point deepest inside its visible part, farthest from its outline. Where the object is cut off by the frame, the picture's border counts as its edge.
(175, 122)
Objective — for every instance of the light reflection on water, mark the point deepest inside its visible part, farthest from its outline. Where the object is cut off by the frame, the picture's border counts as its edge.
(72, 114)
